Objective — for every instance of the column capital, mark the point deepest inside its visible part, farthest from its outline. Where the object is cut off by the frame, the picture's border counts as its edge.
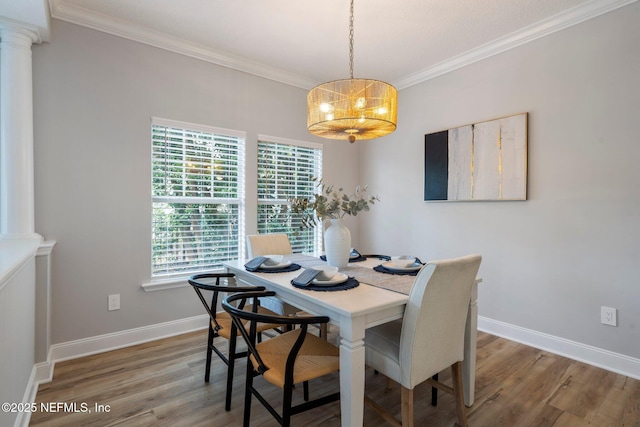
(16, 32)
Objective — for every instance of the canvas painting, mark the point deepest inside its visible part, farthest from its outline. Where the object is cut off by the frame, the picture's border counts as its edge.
(482, 161)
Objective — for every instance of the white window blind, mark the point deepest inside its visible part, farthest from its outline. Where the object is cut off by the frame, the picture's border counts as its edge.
(197, 197)
(285, 170)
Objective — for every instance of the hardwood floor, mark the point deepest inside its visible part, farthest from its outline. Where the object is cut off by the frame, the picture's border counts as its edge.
(161, 384)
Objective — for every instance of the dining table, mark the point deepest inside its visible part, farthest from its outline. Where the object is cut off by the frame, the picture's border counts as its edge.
(378, 298)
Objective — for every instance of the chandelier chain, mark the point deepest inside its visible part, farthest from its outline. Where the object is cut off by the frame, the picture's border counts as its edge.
(351, 41)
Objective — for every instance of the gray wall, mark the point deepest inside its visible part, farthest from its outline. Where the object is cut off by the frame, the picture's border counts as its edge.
(94, 95)
(552, 261)
(549, 262)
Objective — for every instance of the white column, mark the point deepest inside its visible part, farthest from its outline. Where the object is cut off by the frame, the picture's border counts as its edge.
(16, 134)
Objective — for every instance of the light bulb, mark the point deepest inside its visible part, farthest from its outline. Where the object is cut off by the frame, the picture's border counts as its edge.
(325, 108)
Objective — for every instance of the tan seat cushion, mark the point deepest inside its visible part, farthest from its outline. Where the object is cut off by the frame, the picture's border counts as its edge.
(224, 320)
(316, 358)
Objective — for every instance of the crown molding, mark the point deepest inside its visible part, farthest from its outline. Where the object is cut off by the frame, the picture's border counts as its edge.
(86, 18)
(569, 18)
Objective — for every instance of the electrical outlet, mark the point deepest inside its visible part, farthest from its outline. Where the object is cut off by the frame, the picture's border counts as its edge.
(608, 316)
(114, 302)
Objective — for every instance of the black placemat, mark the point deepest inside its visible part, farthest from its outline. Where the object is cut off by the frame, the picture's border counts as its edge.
(292, 267)
(349, 284)
(382, 269)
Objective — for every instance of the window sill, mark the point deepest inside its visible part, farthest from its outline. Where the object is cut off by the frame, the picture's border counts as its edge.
(172, 283)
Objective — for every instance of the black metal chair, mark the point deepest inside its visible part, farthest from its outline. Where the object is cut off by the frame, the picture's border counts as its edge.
(221, 324)
(291, 358)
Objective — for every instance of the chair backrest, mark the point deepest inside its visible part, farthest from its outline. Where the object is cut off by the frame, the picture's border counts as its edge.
(268, 244)
(199, 282)
(432, 337)
(238, 314)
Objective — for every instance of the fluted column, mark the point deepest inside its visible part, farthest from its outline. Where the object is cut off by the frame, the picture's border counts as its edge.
(17, 209)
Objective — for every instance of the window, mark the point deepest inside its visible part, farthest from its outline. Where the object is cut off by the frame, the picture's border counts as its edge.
(197, 197)
(286, 169)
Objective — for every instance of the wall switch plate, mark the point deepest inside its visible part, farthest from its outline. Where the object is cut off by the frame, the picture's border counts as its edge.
(114, 302)
(608, 316)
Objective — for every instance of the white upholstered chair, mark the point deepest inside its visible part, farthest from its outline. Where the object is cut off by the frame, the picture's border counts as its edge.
(275, 244)
(429, 338)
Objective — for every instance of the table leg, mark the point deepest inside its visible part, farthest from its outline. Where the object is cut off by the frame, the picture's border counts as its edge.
(352, 369)
(470, 341)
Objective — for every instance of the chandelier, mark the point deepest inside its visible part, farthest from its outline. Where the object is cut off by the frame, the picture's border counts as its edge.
(352, 108)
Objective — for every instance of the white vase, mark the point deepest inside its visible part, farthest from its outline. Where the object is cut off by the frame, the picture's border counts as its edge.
(337, 243)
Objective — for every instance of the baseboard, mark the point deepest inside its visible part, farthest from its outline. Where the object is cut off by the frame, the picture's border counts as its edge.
(23, 418)
(107, 342)
(605, 359)
(43, 372)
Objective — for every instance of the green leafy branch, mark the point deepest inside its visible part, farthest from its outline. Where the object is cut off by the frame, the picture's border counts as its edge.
(329, 203)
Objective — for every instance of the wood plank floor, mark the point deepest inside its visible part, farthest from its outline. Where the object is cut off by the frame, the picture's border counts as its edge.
(161, 384)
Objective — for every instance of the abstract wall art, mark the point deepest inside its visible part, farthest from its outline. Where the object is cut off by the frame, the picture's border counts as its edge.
(477, 162)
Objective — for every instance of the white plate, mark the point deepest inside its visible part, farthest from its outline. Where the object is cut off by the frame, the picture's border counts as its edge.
(283, 264)
(336, 280)
(389, 266)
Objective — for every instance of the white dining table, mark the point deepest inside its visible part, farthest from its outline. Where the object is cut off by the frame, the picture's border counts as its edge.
(353, 311)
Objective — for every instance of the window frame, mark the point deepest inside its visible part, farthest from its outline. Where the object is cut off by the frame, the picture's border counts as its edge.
(238, 201)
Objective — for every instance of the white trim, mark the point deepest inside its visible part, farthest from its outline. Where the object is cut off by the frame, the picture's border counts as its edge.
(35, 33)
(80, 16)
(566, 19)
(43, 372)
(45, 248)
(23, 418)
(177, 124)
(113, 341)
(121, 339)
(86, 18)
(14, 254)
(161, 285)
(605, 359)
(198, 200)
(287, 141)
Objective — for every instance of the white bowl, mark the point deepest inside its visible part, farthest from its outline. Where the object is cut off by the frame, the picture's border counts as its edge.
(402, 261)
(273, 260)
(327, 272)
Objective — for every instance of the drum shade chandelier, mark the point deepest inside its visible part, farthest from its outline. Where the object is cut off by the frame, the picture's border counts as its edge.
(352, 109)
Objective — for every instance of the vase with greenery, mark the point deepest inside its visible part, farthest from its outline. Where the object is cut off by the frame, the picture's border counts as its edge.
(329, 206)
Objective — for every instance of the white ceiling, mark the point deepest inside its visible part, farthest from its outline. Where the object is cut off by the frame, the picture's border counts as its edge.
(305, 42)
